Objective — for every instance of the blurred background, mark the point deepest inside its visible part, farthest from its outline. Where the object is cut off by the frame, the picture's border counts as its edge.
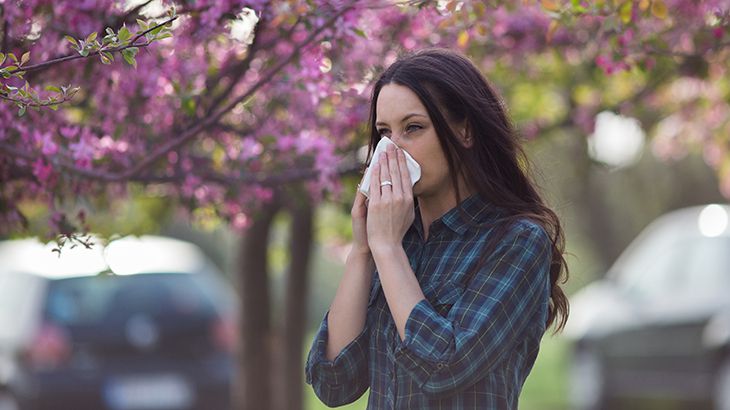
(216, 168)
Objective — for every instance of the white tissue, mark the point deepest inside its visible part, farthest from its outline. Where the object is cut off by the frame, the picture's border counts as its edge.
(413, 168)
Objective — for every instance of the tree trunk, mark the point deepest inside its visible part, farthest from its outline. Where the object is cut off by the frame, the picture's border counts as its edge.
(253, 389)
(597, 223)
(297, 289)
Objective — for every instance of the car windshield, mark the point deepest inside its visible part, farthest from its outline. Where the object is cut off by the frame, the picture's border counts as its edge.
(691, 266)
(97, 300)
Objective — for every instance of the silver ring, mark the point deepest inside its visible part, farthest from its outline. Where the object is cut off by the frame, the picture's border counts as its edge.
(384, 183)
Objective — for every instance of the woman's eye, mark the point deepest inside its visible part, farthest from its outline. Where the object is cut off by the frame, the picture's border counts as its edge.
(413, 127)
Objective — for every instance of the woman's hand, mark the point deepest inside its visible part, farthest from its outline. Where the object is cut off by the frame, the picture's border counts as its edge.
(390, 207)
(359, 215)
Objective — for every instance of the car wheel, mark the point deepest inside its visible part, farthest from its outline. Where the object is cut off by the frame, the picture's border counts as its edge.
(587, 381)
(721, 397)
(7, 401)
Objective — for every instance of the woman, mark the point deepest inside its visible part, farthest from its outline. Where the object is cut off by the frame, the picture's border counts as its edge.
(450, 283)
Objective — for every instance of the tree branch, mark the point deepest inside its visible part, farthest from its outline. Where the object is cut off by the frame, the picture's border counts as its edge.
(237, 71)
(34, 104)
(671, 53)
(568, 120)
(349, 166)
(77, 56)
(6, 31)
(134, 173)
(132, 12)
(201, 125)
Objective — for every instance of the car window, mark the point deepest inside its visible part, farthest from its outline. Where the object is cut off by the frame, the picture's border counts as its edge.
(19, 302)
(100, 299)
(692, 266)
(708, 266)
(655, 271)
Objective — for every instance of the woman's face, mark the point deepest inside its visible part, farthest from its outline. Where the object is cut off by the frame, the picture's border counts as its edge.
(401, 116)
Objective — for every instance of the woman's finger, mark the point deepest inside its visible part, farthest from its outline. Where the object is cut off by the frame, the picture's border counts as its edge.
(360, 199)
(387, 189)
(394, 171)
(375, 182)
(405, 174)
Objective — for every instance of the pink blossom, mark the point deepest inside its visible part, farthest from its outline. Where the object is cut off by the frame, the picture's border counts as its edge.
(314, 109)
(42, 170)
(190, 184)
(45, 140)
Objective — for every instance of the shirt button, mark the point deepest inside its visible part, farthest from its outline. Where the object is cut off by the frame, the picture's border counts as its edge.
(440, 366)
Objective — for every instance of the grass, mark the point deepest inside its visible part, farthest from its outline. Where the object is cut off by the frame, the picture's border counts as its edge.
(545, 388)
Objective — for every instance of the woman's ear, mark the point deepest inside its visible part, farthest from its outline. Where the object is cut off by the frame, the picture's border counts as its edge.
(465, 136)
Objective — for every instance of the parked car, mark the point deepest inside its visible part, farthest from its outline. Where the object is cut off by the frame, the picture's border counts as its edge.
(658, 325)
(143, 323)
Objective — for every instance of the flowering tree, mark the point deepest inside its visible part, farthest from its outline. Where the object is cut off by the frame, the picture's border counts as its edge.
(258, 102)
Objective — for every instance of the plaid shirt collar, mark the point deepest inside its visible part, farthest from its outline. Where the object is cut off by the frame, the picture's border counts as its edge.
(458, 219)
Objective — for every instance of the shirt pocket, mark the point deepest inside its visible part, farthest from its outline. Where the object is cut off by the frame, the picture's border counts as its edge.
(445, 296)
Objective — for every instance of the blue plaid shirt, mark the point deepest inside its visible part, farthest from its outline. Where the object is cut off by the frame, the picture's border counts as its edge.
(474, 339)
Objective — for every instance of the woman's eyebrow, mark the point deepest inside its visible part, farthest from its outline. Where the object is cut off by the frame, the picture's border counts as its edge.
(406, 118)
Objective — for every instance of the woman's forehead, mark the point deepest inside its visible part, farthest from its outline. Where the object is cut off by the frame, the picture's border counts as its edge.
(395, 102)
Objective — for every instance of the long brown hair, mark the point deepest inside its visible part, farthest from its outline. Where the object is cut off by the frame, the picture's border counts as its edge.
(454, 92)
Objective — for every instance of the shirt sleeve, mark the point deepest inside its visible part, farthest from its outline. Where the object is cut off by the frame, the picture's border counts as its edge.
(447, 354)
(344, 379)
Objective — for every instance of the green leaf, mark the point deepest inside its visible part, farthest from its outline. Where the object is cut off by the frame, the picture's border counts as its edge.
(2, 58)
(578, 7)
(21, 111)
(130, 60)
(188, 105)
(124, 34)
(625, 11)
(659, 9)
(84, 52)
(129, 54)
(54, 107)
(109, 31)
(53, 88)
(163, 36)
(157, 30)
(91, 37)
(142, 25)
(360, 33)
(128, 57)
(72, 41)
(104, 58)
(13, 57)
(25, 58)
